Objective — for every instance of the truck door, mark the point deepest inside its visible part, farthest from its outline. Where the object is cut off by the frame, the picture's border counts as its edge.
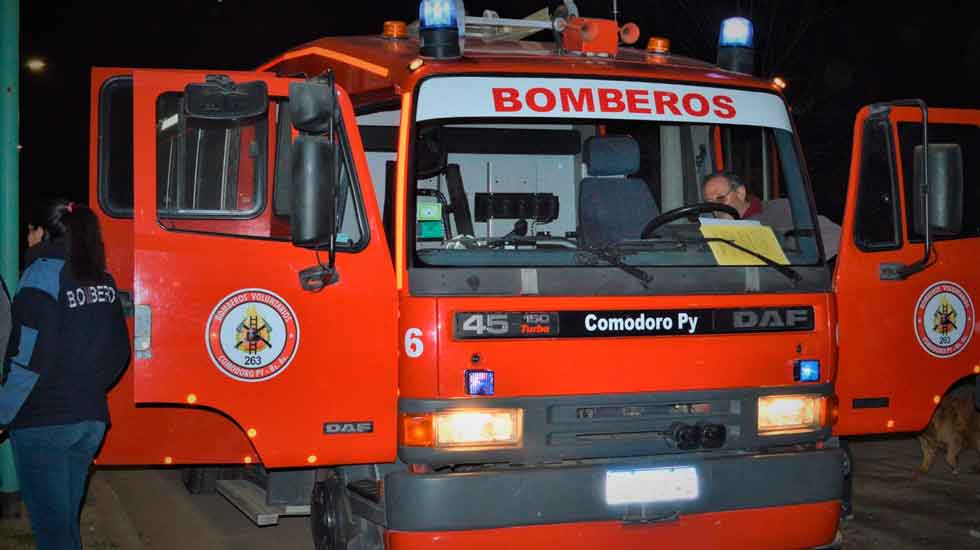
(222, 323)
(904, 342)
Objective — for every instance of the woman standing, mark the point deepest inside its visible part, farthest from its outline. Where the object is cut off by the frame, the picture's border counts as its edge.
(68, 345)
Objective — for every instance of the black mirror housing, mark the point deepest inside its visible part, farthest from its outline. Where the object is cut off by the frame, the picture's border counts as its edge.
(313, 217)
(218, 98)
(945, 189)
(311, 106)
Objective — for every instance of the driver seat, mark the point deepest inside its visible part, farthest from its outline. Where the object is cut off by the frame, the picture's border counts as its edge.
(611, 205)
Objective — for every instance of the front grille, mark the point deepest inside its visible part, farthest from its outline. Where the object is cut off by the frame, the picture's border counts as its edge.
(586, 427)
(652, 422)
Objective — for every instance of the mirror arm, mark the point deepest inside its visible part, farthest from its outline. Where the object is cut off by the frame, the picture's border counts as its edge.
(901, 271)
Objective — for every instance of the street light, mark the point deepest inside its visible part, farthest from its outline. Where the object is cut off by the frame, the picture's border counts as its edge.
(35, 64)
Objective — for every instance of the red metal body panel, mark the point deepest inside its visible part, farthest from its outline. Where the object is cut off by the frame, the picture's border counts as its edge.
(147, 435)
(418, 330)
(798, 526)
(880, 355)
(542, 366)
(287, 412)
(371, 63)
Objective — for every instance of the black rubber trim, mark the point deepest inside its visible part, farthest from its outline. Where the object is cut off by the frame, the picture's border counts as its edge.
(539, 496)
(611, 281)
(106, 140)
(870, 403)
(897, 243)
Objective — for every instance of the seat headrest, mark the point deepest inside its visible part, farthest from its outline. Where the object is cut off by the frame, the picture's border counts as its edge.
(611, 155)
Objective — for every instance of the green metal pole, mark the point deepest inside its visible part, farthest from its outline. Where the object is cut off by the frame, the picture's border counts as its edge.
(9, 184)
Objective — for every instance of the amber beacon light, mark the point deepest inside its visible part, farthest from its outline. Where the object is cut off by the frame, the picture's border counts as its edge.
(394, 29)
(657, 44)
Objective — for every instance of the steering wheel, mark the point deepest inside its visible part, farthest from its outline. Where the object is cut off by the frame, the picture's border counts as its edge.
(690, 210)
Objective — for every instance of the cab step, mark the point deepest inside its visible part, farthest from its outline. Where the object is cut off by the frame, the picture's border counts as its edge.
(251, 500)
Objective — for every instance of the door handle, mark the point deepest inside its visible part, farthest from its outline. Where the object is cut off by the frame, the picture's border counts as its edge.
(890, 272)
(142, 328)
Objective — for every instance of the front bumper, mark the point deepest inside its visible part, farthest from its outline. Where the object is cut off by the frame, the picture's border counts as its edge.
(544, 496)
(798, 526)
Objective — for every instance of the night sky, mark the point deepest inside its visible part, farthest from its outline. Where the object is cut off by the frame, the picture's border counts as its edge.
(836, 56)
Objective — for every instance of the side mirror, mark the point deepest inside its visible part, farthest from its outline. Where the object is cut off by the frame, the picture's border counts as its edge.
(945, 189)
(218, 98)
(311, 106)
(314, 185)
(315, 175)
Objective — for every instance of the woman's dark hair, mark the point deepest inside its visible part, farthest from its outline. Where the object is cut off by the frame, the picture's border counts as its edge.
(78, 224)
(48, 215)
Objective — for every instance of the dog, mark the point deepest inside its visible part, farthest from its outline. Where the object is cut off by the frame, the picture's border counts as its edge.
(955, 426)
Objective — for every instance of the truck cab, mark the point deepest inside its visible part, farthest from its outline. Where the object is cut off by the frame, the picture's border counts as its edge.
(468, 290)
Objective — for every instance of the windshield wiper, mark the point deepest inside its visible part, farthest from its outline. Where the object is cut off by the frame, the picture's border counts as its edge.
(528, 240)
(613, 256)
(785, 270)
(789, 272)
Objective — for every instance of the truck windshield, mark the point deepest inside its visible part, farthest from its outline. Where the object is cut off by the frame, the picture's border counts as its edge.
(578, 173)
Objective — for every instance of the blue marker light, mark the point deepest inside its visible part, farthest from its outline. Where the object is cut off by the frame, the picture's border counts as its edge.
(479, 382)
(806, 370)
(735, 32)
(438, 14)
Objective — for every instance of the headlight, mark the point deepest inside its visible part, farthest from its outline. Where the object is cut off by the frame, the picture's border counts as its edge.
(464, 429)
(789, 414)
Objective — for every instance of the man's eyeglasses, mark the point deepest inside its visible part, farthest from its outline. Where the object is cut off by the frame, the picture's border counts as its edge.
(720, 198)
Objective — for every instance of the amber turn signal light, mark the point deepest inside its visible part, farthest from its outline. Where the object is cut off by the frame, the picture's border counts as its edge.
(416, 430)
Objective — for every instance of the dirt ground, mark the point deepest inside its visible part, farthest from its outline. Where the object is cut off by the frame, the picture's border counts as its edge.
(149, 509)
(894, 510)
(100, 528)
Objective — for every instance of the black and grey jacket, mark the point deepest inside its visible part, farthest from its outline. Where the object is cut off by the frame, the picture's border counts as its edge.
(68, 345)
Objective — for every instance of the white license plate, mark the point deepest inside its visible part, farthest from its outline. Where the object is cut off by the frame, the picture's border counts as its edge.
(651, 485)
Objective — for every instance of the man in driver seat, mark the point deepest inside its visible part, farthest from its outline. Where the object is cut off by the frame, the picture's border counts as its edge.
(726, 188)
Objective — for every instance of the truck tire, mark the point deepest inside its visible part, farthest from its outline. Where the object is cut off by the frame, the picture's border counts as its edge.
(200, 480)
(330, 515)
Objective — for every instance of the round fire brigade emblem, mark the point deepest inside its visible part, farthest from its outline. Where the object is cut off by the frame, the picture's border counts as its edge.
(944, 319)
(252, 335)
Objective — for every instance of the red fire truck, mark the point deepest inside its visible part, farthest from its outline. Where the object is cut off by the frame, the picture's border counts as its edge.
(444, 287)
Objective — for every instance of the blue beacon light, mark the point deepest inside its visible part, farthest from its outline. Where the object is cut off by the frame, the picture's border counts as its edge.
(736, 32)
(440, 31)
(735, 47)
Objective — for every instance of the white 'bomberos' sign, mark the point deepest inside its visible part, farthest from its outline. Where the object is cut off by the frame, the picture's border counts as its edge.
(478, 96)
